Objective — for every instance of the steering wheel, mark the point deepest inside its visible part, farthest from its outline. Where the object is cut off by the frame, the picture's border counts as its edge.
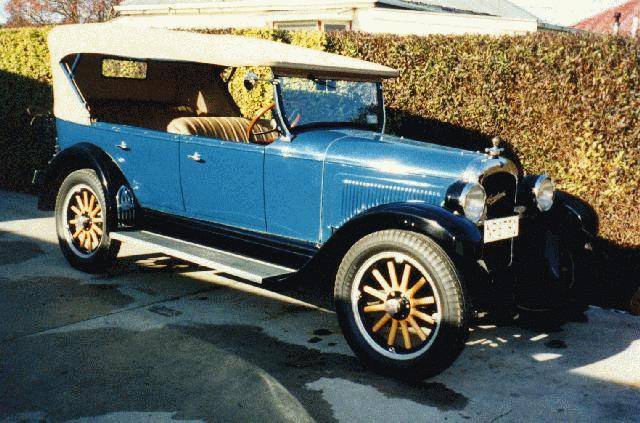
(254, 122)
(294, 118)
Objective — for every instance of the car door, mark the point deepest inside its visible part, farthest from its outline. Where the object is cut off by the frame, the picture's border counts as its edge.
(222, 181)
(149, 161)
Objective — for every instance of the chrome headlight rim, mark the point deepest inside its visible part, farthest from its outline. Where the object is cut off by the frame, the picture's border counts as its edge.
(537, 191)
(478, 214)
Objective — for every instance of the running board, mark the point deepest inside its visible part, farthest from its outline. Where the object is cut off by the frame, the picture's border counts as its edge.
(248, 268)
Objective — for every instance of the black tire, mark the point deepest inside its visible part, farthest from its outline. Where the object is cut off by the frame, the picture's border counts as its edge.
(446, 337)
(103, 251)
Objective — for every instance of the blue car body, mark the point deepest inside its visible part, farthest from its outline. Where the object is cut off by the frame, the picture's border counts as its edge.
(303, 189)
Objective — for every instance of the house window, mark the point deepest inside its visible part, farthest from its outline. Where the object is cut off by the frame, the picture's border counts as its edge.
(123, 68)
(296, 25)
(307, 25)
(335, 26)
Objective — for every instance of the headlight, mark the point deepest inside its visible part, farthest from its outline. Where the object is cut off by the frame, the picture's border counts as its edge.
(473, 200)
(543, 191)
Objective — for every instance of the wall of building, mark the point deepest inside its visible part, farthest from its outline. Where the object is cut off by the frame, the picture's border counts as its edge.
(424, 23)
(374, 20)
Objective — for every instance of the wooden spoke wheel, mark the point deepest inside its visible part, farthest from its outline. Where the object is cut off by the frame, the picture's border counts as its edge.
(400, 304)
(396, 305)
(84, 220)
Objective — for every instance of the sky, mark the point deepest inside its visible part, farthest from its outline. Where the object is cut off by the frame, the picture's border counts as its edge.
(559, 12)
(3, 17)
(565, 12)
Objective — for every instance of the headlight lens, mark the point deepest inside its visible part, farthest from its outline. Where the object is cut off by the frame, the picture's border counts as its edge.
(543, 191)
(473, 200)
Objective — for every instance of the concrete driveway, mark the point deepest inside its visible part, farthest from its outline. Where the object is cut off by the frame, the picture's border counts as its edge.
(163, 340)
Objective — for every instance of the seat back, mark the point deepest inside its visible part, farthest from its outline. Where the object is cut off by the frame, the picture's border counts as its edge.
(224, 128)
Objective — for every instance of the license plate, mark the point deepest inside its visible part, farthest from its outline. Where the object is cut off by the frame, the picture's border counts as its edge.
(498, 229)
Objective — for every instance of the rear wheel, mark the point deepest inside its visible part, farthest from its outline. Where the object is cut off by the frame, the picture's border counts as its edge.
(82, 225)
(400, 304)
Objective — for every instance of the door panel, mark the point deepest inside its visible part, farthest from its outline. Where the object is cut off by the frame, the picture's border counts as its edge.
(293, 179)
(223, 183)
(149, 161)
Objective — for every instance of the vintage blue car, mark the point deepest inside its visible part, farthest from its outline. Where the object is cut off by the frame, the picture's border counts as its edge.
(152, 147)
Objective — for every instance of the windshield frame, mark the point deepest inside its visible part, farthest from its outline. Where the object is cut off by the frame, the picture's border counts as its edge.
(291, 131)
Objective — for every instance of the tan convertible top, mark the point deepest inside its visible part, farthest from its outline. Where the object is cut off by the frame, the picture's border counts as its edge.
(108, 39)
(222, 50)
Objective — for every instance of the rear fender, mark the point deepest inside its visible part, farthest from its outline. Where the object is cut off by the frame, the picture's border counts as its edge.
(80, 156)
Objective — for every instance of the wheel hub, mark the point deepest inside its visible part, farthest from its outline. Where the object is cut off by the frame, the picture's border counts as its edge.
(85, 222)
(398, 305)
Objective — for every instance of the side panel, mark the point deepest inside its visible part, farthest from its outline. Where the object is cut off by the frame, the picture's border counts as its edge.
(293, 185)
(148, 159)
(226, 185)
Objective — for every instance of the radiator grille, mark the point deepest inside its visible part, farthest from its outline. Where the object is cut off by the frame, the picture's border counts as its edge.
(501, 200)
(501, 194)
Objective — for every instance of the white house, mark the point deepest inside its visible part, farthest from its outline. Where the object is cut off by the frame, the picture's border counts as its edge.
(375, 16)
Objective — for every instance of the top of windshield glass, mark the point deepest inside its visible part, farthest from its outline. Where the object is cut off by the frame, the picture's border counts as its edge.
(314, 102)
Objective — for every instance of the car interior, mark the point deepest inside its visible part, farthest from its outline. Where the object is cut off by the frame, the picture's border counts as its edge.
(175, 97)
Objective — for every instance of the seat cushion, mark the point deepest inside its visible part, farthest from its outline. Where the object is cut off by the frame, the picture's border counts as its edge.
(224, 128)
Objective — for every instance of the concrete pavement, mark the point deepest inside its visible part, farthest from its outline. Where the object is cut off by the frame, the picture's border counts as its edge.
(158, 339)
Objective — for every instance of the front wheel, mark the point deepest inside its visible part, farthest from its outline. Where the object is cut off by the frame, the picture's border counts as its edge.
(401, 305)
(81, 223)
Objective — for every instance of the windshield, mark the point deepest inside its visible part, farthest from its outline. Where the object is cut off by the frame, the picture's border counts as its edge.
(310, 102)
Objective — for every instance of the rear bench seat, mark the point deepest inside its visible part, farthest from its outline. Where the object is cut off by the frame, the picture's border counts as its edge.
(224, 128)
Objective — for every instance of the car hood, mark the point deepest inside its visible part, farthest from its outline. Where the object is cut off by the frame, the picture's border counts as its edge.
(396, 155)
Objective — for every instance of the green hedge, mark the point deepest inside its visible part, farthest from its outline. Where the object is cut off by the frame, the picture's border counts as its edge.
(566, 104)
(25, 82)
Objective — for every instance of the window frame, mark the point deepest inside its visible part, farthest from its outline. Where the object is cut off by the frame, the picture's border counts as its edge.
(124, 59)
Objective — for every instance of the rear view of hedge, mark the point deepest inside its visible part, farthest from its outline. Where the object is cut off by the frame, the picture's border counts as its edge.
(25, 82)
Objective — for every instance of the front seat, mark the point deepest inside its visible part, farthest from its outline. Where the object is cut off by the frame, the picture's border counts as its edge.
(224, 128)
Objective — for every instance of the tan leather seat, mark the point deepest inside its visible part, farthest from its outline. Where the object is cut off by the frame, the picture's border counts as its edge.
(224, 128)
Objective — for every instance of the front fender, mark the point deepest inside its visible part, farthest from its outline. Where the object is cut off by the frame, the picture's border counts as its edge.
(79, 156)
(455, 234)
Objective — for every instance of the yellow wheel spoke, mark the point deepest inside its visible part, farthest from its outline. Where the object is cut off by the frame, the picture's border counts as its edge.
(85, 198)
(77, 211)
(80, 204)
(97, 228)
(76, 233)
(392, 274)
(415, 288)
(92, 202)
(73, 221)
(405, 277)
(95, 211)
(405, 334)
(423, 316)
(381, 280)
(87, 242)
(374, 308)
(380, 324)
(391, 340)
(94, 240)
(374, 292)
(417, 328)
(81, 237)
(424, 301)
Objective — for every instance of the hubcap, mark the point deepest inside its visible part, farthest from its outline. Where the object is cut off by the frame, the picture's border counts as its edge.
(396, 305)
(84, 220)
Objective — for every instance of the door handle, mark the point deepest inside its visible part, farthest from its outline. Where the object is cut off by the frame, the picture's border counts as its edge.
(123, 146)
(196, 157)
